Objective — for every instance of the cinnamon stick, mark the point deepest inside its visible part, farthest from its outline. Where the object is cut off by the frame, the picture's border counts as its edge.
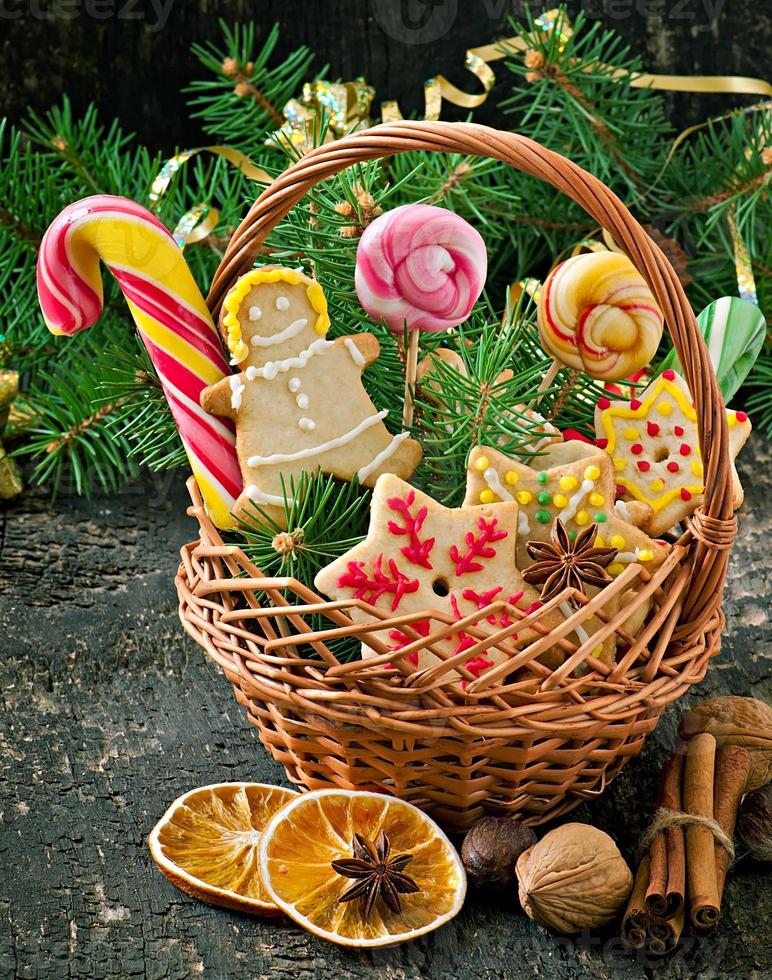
(636, 919)
(733, 763)
(664, 934)
(700, 845)
(665, 893)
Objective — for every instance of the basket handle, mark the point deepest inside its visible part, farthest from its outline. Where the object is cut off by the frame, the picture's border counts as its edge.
(607, 210)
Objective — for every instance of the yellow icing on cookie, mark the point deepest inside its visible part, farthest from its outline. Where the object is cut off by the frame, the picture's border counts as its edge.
(524, 496)
(488, 497)
(597, 499)
(696, 467)
(568, 482)
(256, 277)
(482, 463)
(511, 477)
(630, 433)
(560, 500)
(662, 387)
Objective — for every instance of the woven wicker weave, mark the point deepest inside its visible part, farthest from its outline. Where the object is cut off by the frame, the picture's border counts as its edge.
(521, 738)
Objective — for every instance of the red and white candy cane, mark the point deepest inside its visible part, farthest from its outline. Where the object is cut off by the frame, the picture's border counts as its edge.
(170, 314)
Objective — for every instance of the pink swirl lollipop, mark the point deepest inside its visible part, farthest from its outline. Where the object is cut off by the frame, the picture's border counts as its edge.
(421, 266)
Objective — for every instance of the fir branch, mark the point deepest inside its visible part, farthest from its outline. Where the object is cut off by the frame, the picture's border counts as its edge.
(242, 101)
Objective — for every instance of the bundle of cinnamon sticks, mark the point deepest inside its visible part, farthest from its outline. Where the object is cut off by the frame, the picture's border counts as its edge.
(688, 847)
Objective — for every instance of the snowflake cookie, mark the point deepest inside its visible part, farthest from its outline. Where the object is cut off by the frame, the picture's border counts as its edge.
(419, 555)
(653, 442)
(297, 399)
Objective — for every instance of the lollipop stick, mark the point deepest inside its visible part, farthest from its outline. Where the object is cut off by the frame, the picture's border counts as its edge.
(550, 376)
(411, 368)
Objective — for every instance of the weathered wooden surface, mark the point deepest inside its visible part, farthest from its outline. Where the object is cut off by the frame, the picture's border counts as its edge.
(133, 58)
(110, 713)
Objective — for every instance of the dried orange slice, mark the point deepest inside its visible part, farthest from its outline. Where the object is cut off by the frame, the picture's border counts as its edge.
(369, 838)
(206, 843)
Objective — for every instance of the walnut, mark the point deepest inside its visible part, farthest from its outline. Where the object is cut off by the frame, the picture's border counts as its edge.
(573, 879)
(736, 721)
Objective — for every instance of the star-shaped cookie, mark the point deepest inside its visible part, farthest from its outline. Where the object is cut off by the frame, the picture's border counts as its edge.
(653, 441)
(419, 555)
(574, 482)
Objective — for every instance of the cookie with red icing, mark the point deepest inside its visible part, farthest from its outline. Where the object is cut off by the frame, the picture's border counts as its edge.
(420, 556)
(653, 442)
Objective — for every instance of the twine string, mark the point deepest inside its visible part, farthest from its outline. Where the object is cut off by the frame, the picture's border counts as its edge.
(664, 817)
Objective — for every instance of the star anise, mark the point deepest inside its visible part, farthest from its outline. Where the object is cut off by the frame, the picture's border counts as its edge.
(376, 876)
(566, 564)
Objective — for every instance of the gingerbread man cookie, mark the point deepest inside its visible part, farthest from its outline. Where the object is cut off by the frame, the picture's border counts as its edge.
(653, 441)
(540, 433)
(298, 400)
(419, 555)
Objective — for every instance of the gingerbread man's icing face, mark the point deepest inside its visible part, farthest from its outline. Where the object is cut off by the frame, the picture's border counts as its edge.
(283, 316)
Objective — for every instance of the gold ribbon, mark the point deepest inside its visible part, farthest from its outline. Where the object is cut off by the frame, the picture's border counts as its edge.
(10, 476)
(198, 222)
(477, 61)
(345, 105)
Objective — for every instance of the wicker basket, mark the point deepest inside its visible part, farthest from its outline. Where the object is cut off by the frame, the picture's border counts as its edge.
(534, 747)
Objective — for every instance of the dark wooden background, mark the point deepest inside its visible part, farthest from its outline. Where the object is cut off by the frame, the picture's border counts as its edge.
(133, 58)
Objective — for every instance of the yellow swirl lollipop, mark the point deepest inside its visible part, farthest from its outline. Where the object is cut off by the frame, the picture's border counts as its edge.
(597, 314)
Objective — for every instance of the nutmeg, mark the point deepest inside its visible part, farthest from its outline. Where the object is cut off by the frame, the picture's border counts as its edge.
(736, 721)
(573, 879)
(754, 824)
(491, 849)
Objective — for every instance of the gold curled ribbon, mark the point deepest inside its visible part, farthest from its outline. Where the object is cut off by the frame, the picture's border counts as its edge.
(197, 223)
(477, 61)
(390, 111)
(10, 476)
(345, 104)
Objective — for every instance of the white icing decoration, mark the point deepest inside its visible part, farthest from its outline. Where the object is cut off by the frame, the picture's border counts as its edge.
(627, 556)
(580, 631)
(302, 401)
(293, 384)
(323, 447)
(255, 313)
(282, 303)
(622, 510)
(236, 390)
(491, 477)
(278, 338)
(272, 368)
(382, 456)
(523, 524)
(308, 425)
(573, 503)
(356, 354)
(259, 497)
